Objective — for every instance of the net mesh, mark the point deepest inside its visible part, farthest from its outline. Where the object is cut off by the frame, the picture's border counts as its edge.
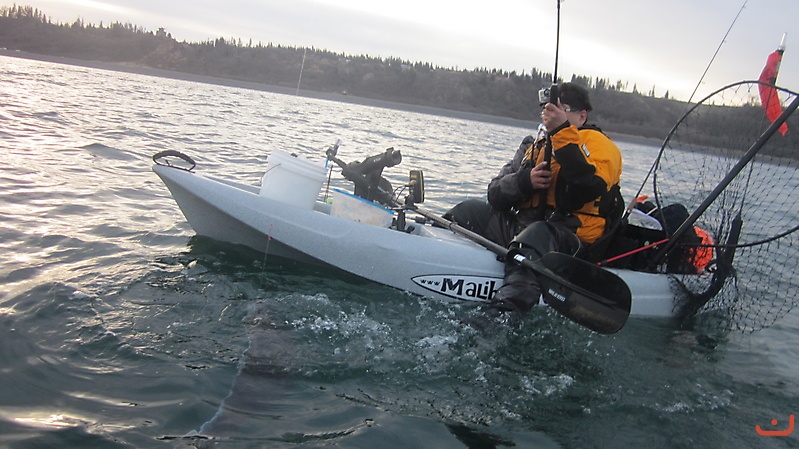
(751, 216)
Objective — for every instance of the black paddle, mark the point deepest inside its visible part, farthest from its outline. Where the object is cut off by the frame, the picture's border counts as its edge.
(581, 291)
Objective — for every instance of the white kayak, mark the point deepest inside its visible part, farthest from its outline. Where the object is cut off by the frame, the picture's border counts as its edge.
(427, 260)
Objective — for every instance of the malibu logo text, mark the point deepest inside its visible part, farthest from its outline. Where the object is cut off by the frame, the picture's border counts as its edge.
(467, 288)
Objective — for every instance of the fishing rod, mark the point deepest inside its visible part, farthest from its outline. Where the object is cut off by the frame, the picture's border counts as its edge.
(546, 95)
(713, 58)
(302, 66)
(557, 46)
(696, 88)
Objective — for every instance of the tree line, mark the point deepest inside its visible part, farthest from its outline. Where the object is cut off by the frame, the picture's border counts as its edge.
(481, 90)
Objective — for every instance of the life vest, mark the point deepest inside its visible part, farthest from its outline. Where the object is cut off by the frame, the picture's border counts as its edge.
(598, 151)
(702, 255)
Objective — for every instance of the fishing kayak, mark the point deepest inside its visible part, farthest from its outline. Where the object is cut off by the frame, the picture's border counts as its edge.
(721, 256)
(423, 259)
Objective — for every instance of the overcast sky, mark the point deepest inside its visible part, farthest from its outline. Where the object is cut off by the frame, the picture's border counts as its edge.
(665, 45)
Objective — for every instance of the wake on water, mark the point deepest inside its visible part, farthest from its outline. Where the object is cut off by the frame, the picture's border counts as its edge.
(376, 359)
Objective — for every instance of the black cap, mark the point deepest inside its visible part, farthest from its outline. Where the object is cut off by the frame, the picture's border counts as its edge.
(575, 96)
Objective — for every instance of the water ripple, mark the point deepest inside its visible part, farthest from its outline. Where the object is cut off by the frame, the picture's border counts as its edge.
(120, 328)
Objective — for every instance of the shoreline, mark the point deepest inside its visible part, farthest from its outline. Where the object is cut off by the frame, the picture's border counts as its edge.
(330, 96)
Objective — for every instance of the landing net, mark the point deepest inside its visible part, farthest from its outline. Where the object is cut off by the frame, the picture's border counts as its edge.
(749, 272)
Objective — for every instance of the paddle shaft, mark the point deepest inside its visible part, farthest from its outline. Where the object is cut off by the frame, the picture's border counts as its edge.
(471, 235)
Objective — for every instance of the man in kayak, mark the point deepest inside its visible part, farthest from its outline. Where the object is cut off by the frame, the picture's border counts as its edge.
(538, 203)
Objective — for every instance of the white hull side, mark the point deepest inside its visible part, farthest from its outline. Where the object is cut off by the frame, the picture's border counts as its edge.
(432, 262)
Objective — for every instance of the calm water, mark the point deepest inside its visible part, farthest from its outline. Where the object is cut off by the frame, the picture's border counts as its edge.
(120, 328)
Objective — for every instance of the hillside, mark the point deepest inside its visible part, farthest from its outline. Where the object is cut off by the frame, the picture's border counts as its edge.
(482, 91)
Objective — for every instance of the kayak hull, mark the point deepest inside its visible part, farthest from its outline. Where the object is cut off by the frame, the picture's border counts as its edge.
(429, 261)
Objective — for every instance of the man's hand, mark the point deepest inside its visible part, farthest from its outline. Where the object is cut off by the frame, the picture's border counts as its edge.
(553, 116)
(540, 176)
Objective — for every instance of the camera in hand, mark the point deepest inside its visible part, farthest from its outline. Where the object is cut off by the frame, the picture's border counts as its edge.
(546, 94)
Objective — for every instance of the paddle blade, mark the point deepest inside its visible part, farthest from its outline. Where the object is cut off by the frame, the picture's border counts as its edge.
(583, 292)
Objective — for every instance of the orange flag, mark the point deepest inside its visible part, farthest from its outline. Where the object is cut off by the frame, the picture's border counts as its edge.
(768, 94)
